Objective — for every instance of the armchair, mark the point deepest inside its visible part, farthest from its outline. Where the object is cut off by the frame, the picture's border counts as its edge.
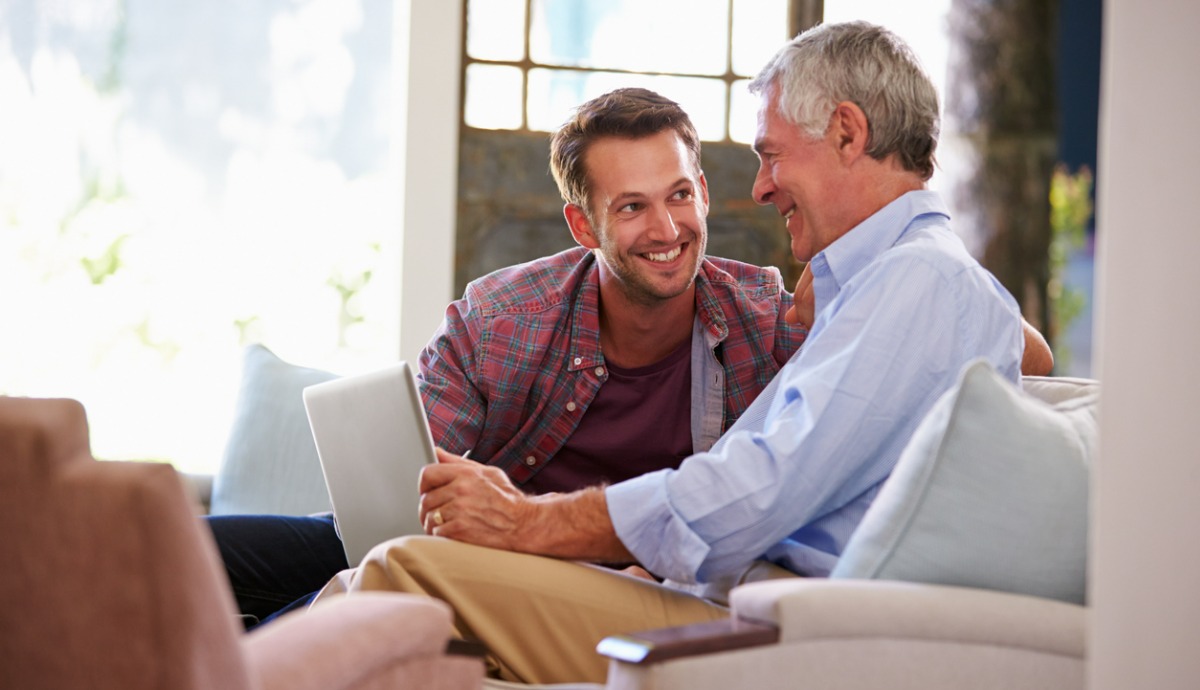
(111, 582)
(968, 570)
(875, 634)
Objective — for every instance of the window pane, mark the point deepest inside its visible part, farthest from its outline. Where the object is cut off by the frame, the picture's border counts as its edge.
(496, 29)
(553, 94)
(743, 113)
(493, 97)
(688, 36)
(759, 29)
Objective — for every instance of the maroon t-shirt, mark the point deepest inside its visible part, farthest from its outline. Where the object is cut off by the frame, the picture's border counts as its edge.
(612, 444)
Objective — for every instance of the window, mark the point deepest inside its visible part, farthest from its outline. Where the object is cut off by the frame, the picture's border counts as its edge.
(529, 62)
(178, 180)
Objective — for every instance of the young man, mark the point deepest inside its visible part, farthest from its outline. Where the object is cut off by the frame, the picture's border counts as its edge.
(847, 131)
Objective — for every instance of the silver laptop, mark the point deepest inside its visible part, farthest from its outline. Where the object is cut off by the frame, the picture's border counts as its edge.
(372, 439)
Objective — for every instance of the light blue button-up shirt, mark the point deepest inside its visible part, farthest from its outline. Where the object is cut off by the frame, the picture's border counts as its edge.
(901, 307)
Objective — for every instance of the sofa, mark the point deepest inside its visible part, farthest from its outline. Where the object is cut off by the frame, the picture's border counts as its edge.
(969, 571)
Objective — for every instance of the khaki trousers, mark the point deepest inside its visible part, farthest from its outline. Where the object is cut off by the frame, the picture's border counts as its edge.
(540, 618)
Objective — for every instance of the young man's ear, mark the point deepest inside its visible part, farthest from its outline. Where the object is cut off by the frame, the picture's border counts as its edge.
(581, 227)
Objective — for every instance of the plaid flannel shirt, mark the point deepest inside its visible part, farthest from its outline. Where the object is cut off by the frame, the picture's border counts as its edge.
(516, 361)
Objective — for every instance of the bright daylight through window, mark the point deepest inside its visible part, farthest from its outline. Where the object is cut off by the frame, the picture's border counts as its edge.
(697, 52)
(180, 180)
(177, 181)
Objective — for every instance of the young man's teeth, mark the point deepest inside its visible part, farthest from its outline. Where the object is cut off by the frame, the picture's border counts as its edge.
(664, 256)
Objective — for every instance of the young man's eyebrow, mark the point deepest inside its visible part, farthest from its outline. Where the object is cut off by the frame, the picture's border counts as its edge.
(626, 195)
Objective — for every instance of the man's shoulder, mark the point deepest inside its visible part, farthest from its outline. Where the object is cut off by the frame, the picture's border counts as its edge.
(935, 246)
(743, 279)
(530, 286)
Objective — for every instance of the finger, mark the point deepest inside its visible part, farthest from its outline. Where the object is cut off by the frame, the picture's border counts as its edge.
(639, 571)
(432, 500)
(803, 309)
(791, 315)
(434, 476)
(446, 457)
(432, 525)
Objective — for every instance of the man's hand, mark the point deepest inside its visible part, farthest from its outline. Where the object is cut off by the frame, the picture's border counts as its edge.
(465, 500)
(802, 312)
(478, 504)
(1038, 359)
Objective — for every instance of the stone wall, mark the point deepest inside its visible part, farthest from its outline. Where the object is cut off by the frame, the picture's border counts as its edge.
(509, 209)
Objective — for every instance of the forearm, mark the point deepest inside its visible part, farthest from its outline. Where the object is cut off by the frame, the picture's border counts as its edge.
(467, 501)
(573, 526)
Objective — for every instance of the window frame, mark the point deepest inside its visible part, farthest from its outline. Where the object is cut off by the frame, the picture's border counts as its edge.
(801, 15)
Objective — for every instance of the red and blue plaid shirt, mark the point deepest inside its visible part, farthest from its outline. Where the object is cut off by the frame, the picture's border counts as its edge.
(516, 361)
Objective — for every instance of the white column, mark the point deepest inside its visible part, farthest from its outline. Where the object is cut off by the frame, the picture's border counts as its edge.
(1145, 566)
(426, 111)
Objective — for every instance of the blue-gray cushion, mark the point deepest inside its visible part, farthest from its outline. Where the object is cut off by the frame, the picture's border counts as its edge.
(991, 493)
(270, 463)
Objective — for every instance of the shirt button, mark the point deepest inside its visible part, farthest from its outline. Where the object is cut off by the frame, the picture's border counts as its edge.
(578, 361)
(531, 461)
(599, 371)
(570, 407)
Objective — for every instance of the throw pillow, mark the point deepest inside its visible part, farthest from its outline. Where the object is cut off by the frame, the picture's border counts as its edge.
(270, 463)
(991, 492)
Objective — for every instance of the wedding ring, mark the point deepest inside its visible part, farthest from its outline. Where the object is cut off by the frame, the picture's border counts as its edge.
(437, 518)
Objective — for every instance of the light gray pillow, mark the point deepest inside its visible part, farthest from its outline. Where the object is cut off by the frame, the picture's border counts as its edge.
(270, 463)
(991, 493)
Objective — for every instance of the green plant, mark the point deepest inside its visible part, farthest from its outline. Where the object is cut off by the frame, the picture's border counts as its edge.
(1070, 212)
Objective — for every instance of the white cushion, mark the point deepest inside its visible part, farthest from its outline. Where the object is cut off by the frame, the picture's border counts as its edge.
(270, 463)
(991, 492)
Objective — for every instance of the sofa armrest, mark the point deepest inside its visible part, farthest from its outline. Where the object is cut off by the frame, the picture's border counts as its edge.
(871, 634)
(373, 640)
(653, 646)
(808, 608)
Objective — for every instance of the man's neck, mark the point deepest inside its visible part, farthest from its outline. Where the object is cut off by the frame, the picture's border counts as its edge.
(883, 183)
(636, 335)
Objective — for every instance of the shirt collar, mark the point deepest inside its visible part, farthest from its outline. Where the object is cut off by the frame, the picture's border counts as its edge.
(585, 327)
(708, 305)
(834, 266)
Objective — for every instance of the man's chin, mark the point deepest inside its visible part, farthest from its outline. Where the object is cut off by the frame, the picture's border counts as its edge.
(656, 292)
(802, 254)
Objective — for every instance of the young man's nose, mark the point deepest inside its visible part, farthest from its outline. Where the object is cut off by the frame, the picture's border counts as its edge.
(663, 226)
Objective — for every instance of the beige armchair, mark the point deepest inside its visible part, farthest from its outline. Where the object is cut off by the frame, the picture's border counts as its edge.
(111, 582)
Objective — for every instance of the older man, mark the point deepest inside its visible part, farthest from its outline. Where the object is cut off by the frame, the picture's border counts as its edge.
(848, 126)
